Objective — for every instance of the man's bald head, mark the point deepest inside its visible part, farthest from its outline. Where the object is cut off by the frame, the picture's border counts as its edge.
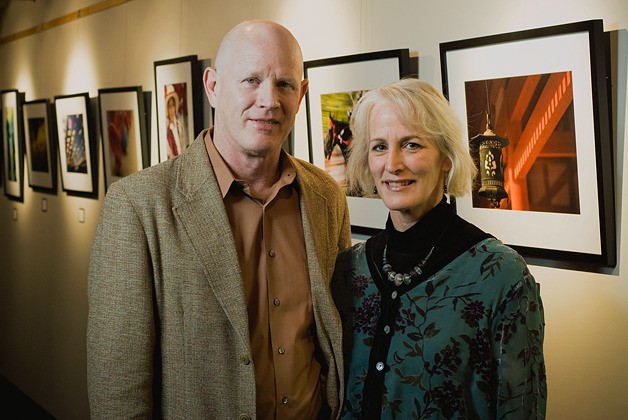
(256, 87)
(255, 30)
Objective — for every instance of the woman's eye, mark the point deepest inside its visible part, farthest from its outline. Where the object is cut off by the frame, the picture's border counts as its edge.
(378, 147)
(412, 145)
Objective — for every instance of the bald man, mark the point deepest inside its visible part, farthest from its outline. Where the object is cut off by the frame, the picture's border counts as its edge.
(209, 275)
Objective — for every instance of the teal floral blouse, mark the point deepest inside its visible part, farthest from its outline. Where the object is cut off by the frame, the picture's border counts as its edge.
(465, 343)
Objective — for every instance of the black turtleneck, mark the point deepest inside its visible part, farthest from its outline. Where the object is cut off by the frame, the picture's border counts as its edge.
(450, 236)
(440, 227)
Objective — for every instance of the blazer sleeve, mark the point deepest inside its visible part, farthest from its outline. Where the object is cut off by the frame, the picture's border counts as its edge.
(121, 324)
(344, 240)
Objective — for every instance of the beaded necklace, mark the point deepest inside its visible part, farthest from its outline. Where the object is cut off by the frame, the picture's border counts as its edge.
(416, 271)
(404, 278)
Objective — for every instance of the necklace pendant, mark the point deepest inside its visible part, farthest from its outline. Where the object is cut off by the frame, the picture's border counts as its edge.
(407, 278)
(398, 280)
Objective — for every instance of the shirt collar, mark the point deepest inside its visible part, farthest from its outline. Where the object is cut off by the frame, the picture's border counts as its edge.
(225, 177)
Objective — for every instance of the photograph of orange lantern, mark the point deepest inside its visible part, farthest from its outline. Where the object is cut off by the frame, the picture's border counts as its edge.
(524, 143)
(534, 111)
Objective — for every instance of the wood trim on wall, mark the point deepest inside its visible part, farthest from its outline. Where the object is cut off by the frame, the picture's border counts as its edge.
(70, 17)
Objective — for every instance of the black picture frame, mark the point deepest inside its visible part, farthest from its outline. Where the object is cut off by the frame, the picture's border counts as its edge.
(77, 141)
(561, 109)
(11, 101)
(178, 80)
(40, 140)
(123, 132)
(335, 84)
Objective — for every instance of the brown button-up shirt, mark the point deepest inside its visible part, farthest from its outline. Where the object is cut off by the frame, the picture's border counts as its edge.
(271, 251)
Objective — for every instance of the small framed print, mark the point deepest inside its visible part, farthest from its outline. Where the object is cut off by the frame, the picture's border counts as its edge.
(178, 90)
(123, 132)
(12, 145)
(40, 145)
(77, 145)
(335, 85)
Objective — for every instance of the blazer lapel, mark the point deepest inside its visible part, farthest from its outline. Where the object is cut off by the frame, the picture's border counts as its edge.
(202, 213)
(314, 210)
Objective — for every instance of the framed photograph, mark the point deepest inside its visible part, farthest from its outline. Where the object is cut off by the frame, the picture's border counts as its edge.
(534, 107)
(77, 145)
(39, 136)
(335, 85)
(12, 146)
(178, 91)
(123, 132)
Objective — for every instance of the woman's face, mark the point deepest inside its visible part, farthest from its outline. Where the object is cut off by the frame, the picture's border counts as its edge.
(408, 168)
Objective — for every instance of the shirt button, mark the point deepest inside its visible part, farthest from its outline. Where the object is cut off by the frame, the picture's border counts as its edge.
(284, 400)
(386, 329)
(282, 350)
(394, 295)
(379, 366)
(244, 359)
(276, 302)
(271, 253)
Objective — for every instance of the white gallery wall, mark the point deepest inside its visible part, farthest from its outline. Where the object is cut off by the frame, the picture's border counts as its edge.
(44, 255)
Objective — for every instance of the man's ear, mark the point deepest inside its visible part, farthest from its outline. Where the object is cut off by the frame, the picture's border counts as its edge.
(210, 82)
(304, 85)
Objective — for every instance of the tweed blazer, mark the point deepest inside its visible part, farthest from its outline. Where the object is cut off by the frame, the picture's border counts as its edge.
(167, 333)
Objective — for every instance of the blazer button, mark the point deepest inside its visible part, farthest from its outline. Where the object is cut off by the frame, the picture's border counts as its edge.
(244, 359)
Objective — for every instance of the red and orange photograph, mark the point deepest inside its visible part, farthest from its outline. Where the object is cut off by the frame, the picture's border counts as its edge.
(522, 137)
(122, 143)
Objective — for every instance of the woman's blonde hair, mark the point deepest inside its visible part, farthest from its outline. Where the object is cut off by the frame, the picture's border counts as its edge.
(424, 109)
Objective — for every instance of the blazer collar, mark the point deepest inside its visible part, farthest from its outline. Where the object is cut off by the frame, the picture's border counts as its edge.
(199, 207)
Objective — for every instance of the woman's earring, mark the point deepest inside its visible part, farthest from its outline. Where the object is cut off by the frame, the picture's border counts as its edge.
(445, 179)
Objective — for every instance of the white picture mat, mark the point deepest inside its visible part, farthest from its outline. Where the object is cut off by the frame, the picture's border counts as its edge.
(568, 52)
(30, 111)
(9, 100)
(167, 74)
(74, 105)
(119, 101)
(349, 77)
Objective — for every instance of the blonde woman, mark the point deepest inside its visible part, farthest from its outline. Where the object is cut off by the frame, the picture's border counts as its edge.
(440, 319)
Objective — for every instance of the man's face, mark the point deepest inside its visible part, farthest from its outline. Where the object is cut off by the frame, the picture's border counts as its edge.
(257, 95)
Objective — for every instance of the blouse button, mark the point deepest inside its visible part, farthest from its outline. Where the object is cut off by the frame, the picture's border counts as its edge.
(379, 366)
(281, 350)
(276, 302)
(284, 400)
(394, 294)
(386, 329)
(271, 253)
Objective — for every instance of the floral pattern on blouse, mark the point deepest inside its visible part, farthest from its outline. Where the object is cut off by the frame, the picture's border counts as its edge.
(466, 343)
